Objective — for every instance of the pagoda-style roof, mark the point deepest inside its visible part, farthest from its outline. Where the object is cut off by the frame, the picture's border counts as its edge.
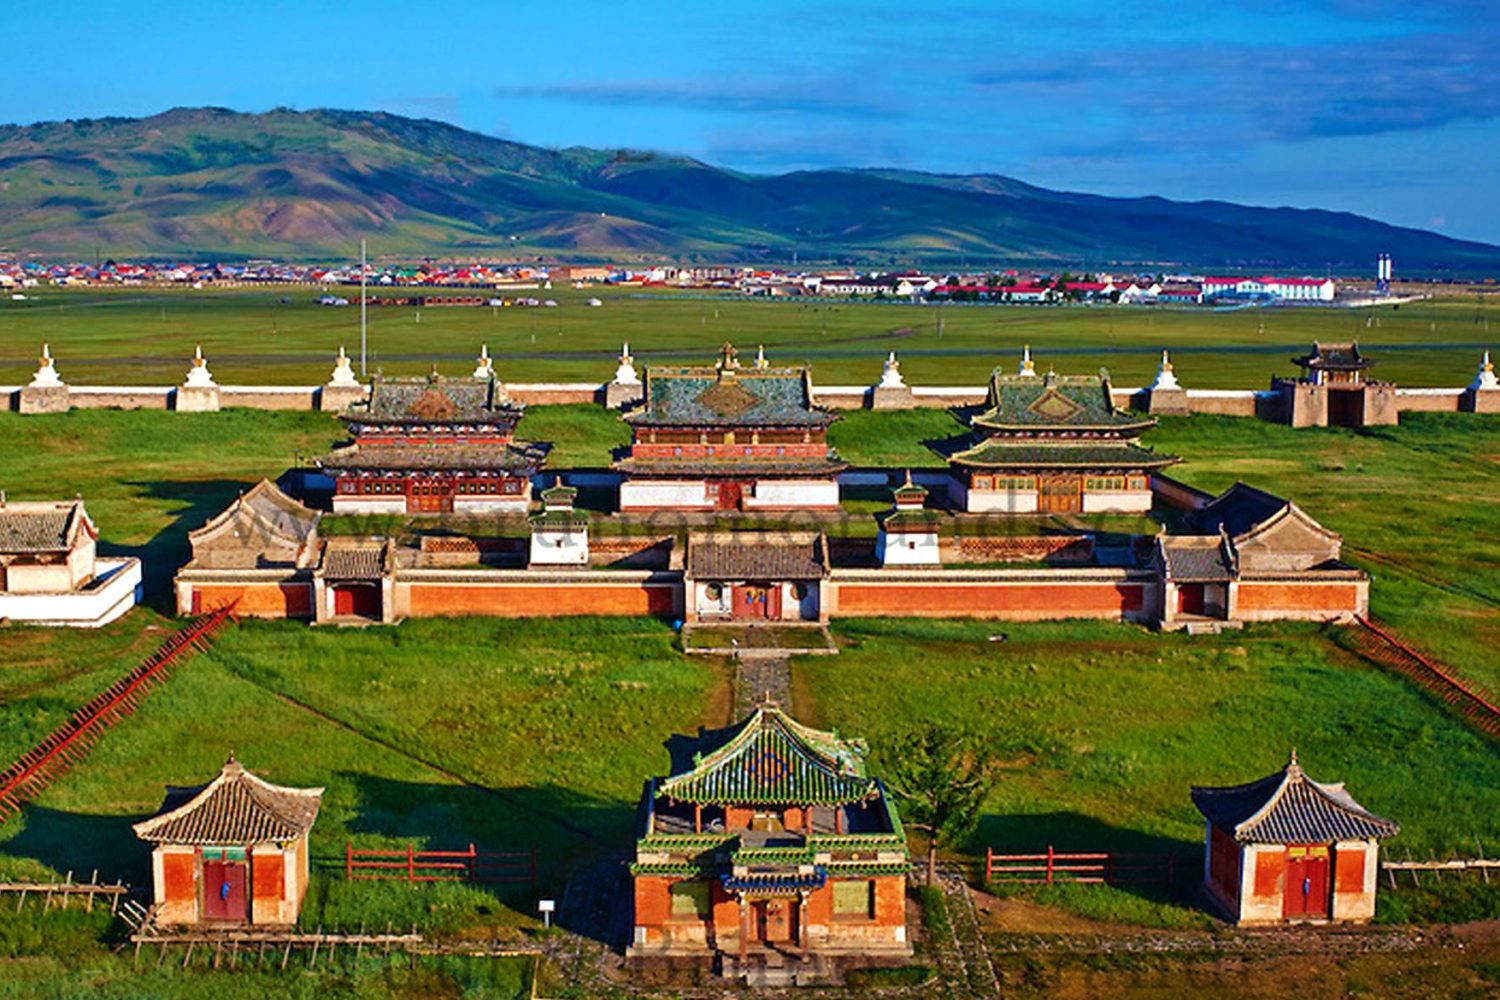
(1288, 807)
(557, 511)
(757, 555)
(771, 759)
(1029, 453)
(265, 512)
(1334, 357)
(512, 457)
(1197, 558)
(435, 400)
(1243, 511)
(728, 395)
(42, 527)
(348, 558)
(1056, 403)
(235, 809)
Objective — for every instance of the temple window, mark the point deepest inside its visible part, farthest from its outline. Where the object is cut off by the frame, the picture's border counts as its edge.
(690, 899)
(853, 899)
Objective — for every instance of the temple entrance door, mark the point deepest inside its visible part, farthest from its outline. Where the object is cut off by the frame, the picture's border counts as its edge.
(1346, 407)
(361, 599)
(1060, 494)
(774, 919)
(753, 601)
(1306, 883)
(430, 497)
(1190, 598)
(730, 495)
(223, 890)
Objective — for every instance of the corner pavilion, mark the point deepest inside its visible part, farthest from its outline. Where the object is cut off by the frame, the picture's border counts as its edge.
(1287, 848)
(1056, 444)
(433, 445)
(774, 842)
(727, 437)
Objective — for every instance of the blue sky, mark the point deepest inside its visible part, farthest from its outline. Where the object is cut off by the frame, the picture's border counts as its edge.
(1389, 109)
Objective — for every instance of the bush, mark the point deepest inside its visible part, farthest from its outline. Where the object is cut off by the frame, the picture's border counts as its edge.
(935, 912)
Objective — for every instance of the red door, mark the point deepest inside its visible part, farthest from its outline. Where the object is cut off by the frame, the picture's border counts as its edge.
(752, 600)
(1190, 598)
(1307, 890)
(223, 890)
(730, 495)
(361, 599)
(774, 919)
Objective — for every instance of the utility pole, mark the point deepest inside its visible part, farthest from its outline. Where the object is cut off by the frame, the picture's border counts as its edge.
(362, 312)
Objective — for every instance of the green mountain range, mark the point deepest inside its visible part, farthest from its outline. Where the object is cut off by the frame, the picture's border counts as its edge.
(207, 182)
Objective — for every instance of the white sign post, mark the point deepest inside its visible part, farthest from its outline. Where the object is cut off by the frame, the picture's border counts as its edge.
(546, 907)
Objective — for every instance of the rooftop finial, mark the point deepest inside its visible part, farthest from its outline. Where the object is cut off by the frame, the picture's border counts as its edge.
(728, 357)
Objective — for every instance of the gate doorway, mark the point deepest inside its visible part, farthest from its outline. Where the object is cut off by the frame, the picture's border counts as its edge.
(1346, 407)
(357, 599)
(775, 921)
(224, 890)
(1307, 890)
(730, 496)
(757, 602)
(1190, 598)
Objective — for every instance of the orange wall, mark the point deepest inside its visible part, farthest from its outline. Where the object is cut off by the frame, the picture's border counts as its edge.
(267, 873)
(653, 902)
(257, 600)
(531, 600)
(1271, 597)
(177, 877)
(1349, 870)
(1269, 868)
(1044, 600)
(890, 901)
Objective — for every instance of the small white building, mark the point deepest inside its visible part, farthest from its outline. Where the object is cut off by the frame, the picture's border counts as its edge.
(50, 570)
(559, 534)
(909, 534)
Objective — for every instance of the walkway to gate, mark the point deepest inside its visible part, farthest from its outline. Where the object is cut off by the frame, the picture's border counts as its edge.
(69, 743)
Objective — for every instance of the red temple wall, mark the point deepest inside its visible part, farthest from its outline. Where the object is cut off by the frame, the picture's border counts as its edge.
(987, 600)
(256, 600)
(268, 876)
(177, 880)
(1272, 599)
(1349, 871)
(540, 600)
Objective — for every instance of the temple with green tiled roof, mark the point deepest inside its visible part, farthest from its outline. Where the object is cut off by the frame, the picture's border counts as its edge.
(773, 839)
(1056, 444)
(729, 437)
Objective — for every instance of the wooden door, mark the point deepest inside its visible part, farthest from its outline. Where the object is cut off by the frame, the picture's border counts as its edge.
(1190, 598)
(730, 495)
(1060, 494)
(224, 890)
(751, 601)
(1307, 889)
(775, 920)
(362, 599)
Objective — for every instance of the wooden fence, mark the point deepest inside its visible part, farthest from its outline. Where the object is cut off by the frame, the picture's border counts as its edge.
(412, 865)
(1110, 867)
(69, 743)
(1380, 645)
(63, 893)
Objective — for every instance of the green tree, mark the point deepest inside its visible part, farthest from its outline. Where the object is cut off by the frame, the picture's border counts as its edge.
(941, 777)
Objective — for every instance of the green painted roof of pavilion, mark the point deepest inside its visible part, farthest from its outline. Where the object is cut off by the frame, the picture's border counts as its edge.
(727, 394)
(1052, 402)
(771, 759)
(1110, 456)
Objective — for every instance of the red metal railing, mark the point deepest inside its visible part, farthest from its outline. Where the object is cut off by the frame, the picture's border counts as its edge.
(1109, 867)
(1379, 644)
(69, 743)
(412, 865)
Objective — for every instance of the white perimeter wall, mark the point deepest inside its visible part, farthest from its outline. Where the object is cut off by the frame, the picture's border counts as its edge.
(1005, 501)
(559, 548)
(794, 493)
(114, 592)
(1117, 502)
(343, 504)
(908, 549)
(490, 504)
(645, 493)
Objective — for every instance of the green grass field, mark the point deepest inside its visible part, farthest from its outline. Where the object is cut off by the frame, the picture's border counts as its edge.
(280, 336)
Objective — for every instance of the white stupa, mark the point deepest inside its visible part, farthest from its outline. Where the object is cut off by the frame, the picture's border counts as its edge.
(484, 367)
(625, 372)
(46, 372)
(1485, 379)
(198, 376)
(343, 371)
(890, 376)
(1027, 368)
(760, 357)
(1165, 377)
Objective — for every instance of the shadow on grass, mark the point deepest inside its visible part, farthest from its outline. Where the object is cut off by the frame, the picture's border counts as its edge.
(193, 503)
(82, 843)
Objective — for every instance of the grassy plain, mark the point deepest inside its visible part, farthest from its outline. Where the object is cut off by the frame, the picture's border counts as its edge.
(280, 336)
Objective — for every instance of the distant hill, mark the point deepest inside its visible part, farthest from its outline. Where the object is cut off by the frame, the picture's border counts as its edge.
(211, 182)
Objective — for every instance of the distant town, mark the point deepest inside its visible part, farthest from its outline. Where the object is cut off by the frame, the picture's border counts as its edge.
(1036, 287)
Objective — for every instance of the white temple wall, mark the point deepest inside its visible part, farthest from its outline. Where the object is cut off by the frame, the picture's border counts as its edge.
(908, 549)
(1117, 502)
(792, 493)
(559, 548)
(1003, 501)
(637, 494)
(353, 504)
(491, 504)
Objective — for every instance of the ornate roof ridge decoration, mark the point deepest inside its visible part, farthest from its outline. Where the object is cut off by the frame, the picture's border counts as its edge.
(773, 759)
(1289, 807)
(236, 808)
(434, 399)
(1023, 401)
(1053, 453)
(726, 393)
(1342, 354)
